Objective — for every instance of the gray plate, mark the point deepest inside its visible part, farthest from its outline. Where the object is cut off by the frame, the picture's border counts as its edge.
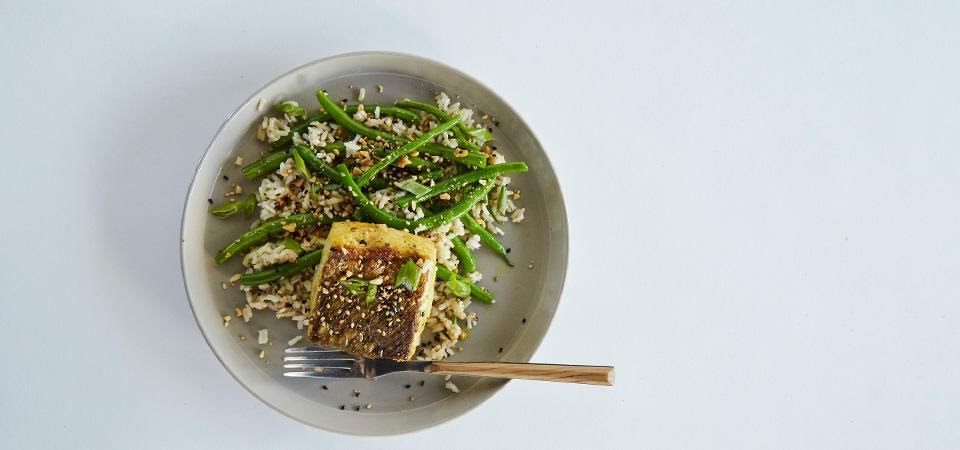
(521, 292)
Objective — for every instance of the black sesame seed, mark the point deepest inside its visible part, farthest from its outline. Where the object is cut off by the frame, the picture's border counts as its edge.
(501, 350)
(210, 201)
(422, 382)
(356, 408)
(342, 407)
(406, 386)
(508, 250)
(324, 387)
(490, 129)
(357, 393)
(524, 320)
(226, 177)
(496, 123)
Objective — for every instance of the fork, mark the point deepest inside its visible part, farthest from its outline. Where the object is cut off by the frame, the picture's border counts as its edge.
(317, 362)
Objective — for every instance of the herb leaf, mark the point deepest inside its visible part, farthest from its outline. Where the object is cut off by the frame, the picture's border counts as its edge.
(371, 294)
(301, 165)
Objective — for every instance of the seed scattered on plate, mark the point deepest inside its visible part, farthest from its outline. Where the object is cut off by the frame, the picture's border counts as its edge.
(262, 354)
(343, 407)
(324, 387)
(380, 88)
(411, 398)
(368, 406)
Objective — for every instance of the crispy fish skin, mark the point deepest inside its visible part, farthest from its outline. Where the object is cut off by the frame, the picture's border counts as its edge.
(389, 326)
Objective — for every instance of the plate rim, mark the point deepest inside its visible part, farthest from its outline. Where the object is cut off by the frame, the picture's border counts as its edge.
(563, 260)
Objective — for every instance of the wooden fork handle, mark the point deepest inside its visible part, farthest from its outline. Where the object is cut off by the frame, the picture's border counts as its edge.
(598, 375)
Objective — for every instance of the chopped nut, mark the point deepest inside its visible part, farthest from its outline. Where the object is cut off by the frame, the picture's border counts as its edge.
(238, 189)
(290, 227)
(226, 320)
(243, 338)
(445, 196)
(262, 354)
(403, 162)
(238, 161)
(460, 153)
(380, 88)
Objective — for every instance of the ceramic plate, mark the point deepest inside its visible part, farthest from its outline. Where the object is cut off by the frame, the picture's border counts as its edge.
(530, 291)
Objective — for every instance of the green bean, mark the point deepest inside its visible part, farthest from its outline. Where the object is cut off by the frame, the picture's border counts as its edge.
(262, 232)
(403, 150)
(486, 237)
(385, 110)
(457, 210)
(369, 209)
(311, 158)
(298, 127)
(460, 131)
(471, 158)
(347, 121)
(265, 165)
(302, 263)
(467, 264)
(462, 180)
(477, 292)
(229, 209)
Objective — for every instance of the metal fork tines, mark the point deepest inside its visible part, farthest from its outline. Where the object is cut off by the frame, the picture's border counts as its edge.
(316, 362)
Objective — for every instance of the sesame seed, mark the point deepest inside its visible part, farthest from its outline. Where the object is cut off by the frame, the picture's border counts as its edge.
(324, 387)
(225, 178)
(342, 407)
(501, 350)
(524, 320)
(422, 382)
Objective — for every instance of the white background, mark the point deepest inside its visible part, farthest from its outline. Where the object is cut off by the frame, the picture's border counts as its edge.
(762, 198)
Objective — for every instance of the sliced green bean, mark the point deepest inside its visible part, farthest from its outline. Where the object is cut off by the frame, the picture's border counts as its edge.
(471, 158)
(405, 149)
(268, 163)
(303, 262)
(460, 131)
(312, 160)
(457, 210)
(486, 237)
(346, 120)
(467, 264)
(464, 179)
(477, 292)
(369, 209)
(263, 231)
(385, 110)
